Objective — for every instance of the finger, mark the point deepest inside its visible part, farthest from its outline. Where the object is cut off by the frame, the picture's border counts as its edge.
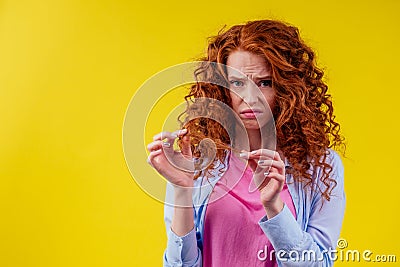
(163, 135)
(260, 153)
(154, 145)
(181, 132)
(263, 161)
(271, 177)
(155, 153)
(266, 153)
(279, 165)
(152, 155)
(254, 164)
(273, 169)
(277, 177)
(251, 163)
(167, 145)
(269, 162)
(169, 135)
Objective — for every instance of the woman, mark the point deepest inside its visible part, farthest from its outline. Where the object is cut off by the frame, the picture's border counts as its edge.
(295, 216)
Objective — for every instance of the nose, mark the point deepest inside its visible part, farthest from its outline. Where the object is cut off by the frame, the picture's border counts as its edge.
(250, 95)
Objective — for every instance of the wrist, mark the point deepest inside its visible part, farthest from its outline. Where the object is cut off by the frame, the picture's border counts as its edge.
(183, 196)
(273, 208)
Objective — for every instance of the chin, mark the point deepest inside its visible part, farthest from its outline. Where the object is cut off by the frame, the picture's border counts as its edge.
(251, 126)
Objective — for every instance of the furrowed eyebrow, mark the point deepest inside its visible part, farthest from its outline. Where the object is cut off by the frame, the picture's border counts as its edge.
(264, 78)
(237, 78)
(245, 78)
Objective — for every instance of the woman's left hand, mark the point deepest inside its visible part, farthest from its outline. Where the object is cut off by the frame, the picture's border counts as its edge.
(269, 177)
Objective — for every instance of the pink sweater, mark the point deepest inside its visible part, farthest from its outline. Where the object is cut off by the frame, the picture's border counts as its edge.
(232, 236)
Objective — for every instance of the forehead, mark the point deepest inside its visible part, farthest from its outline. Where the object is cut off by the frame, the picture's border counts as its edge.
(247, 63)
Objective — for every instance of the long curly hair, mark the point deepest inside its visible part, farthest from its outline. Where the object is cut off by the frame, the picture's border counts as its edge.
(303, 111)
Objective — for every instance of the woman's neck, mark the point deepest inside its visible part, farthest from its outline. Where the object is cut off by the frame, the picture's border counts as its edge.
(250, 139)
(255, 142)
(254, 139)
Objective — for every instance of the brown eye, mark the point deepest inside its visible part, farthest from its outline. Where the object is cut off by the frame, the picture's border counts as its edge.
(266, 83)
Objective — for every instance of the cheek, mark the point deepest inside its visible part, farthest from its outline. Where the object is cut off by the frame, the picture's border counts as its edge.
(235, 99)
(270, 98)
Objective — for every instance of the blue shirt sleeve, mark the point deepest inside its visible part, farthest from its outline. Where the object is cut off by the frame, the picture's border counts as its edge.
(181, 250)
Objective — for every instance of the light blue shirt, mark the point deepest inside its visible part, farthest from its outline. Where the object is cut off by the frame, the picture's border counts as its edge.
(308, 240)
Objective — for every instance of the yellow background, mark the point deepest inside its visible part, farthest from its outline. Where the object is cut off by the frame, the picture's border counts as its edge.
(68, 70)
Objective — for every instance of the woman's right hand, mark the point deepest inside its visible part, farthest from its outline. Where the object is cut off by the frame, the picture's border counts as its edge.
(176, 166)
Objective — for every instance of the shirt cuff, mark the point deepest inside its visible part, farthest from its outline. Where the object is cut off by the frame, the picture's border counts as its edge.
(181, 249)
(282, 230)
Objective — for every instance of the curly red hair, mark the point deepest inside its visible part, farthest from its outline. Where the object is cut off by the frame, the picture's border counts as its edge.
(303, 111)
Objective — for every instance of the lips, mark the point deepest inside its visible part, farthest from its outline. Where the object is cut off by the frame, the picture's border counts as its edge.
(250, 113)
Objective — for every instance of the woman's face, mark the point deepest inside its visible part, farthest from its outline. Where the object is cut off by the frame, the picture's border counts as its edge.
(251, 101)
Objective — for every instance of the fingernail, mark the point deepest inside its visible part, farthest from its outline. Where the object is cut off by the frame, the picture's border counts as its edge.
(182, 131)
(166, 144)
(266, 173)
(261, 161)
(242, 155)
(253, 152)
